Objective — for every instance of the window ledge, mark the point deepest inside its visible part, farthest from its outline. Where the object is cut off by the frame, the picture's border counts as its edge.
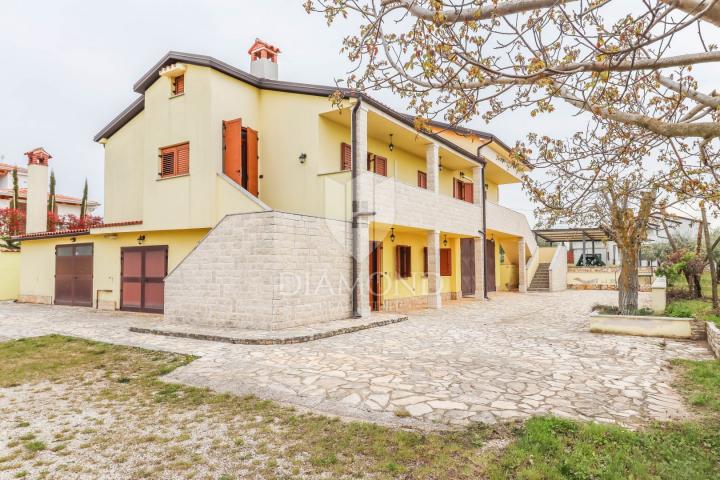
(177, 95)
(168, 177)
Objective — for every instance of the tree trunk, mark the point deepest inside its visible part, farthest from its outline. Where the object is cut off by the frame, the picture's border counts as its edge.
(628, 283)
(710, 256)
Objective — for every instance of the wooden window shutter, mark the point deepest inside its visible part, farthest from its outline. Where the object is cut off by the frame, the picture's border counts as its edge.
(422, 179)
(232, 149)
(252, 161)
(167, 162)
(468, 192)
(445, 262)
(456, 189)
(381, 165)
(425, 261)
(183, 159)
(402, 261)
(345, 156)
(369, 161)
(179, 85)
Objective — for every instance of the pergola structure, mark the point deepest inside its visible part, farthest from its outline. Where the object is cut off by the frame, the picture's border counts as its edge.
(562, 235)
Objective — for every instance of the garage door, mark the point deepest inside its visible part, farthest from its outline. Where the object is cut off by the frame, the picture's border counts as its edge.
(74, 274)
(143, 278)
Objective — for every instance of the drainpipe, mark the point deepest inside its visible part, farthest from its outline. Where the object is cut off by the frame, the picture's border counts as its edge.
(484, 217)
(353, 186)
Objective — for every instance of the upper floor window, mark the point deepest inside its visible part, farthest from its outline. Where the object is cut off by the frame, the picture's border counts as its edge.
(178, 85)
(422, 179)
(463, 190)
(377, 164)
(175, 160)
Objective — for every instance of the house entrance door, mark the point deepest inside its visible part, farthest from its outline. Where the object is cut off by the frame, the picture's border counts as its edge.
(74, 275)
(375, 260)
(143, 271)
(490, 262)
(467, 266)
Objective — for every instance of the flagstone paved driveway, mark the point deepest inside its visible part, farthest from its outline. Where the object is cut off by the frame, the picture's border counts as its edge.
(512, 357)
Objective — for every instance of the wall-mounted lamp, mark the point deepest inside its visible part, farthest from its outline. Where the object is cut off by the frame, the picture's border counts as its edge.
(392, 234)
(302, 157)
(73, 240)
(445, 241)
(141, 239)
(462, 175)
(391, 146)
(440, 162)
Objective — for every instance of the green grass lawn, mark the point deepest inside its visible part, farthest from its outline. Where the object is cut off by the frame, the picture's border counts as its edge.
(71, 407)
(698, 308)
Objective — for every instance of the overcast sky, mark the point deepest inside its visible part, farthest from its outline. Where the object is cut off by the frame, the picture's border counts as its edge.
(68, 68)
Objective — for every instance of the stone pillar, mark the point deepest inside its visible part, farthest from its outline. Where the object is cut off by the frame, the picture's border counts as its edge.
(479, 268)
(361, 229)
(478, 186)
(434, 279)
(432, 160)
(522, 268)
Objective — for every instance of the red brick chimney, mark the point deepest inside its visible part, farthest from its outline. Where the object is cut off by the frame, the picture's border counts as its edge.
(263, 60)
(37, 190)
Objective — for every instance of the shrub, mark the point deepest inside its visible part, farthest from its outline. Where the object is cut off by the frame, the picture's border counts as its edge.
(678, 309)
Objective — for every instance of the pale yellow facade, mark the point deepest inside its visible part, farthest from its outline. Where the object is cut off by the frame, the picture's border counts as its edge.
(9, 274)
(179, 211)
(38, 261)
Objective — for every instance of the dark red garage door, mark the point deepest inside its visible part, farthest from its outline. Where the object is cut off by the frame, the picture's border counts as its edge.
(143, 278)
(74, 274)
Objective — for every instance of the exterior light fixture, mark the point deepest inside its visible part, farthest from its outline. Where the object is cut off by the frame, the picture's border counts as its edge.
(302, 157)
(445, 241)
(73, 240)
(392, 234)
(391, 146)
(440, 162)
(462, 175)
(141, 239)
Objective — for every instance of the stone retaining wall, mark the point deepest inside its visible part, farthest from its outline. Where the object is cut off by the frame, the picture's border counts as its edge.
(418, 301)
(265, 270)
(713, 338)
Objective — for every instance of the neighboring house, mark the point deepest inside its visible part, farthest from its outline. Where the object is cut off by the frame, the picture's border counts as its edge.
(233, 198)
(595, 241)
(64, 205)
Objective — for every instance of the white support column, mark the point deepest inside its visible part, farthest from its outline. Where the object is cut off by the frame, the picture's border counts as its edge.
(432, 160)
(522, 268)
(434, 280)
(361, 231)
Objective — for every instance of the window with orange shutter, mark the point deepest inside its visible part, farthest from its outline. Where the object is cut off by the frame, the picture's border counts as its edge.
(380, 165)
(175, 160)
(468, 192)
(178, 85)
(425, 261)
(445, 262)
(422, 179)
(345, 156)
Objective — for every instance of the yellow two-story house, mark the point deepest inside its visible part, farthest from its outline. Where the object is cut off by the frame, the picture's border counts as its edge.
(234, 198)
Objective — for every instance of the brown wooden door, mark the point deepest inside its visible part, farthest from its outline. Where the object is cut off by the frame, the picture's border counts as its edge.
(490, 262)
(375, 260)
(143, 271)
(467, 266)
(232, 149)
(74, 275)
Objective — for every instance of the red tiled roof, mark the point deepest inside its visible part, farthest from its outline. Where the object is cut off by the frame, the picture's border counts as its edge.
(7, 192)
(6, 167)
(74, 231)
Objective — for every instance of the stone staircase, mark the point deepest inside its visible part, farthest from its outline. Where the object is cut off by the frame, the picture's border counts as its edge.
(541, 280)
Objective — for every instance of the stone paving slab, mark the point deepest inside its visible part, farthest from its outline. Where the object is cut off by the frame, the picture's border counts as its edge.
(286, 336)
(512, 357)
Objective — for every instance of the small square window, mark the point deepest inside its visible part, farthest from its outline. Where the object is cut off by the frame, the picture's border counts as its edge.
(178, 85)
